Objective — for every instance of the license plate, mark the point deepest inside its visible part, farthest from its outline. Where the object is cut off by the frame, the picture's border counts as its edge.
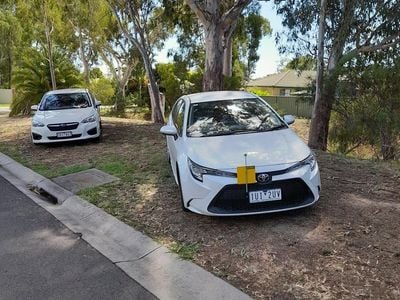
(64, 134)
(264, 196)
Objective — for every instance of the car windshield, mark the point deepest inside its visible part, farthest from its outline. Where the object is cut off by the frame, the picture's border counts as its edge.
(227, 117)
(65, 101)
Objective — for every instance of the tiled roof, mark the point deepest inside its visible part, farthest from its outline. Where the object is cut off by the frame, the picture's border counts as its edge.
(290, 78)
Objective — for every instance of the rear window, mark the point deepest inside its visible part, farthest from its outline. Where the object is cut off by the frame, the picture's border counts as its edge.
(65, 101)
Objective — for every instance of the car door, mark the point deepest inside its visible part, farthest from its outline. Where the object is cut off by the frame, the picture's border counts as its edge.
(174, 143)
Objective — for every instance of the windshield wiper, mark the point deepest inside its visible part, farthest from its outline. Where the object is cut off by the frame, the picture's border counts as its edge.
(279, 127)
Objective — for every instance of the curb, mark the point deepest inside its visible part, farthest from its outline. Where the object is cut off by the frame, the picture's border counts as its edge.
(152, 265)
(34, 180)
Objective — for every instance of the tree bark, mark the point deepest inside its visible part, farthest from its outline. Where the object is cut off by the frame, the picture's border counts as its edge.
(50, 59)
(48, 32)
(315, 140)
(84, 59)
(227, 69)
(214, 62)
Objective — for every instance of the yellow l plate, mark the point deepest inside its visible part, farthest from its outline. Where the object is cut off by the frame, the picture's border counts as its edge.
(246, 174)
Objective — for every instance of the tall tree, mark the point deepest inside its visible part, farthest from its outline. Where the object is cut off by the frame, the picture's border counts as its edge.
(219, 20)
(352, 27)
(137, 22)
(9, 35)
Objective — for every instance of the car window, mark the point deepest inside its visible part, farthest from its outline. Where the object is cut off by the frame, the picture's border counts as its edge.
(93, 98)
(65, 101)
(175, 108)
(179, 118)
(237, 116)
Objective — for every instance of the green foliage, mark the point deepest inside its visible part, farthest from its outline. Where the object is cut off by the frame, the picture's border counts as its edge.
(32, 78)
(103, 89)
(257, 91)
(302, 63)
(176, 80)
(368, 113)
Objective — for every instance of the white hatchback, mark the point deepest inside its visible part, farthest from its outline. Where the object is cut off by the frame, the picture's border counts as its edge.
(66, 115)
(232, 154)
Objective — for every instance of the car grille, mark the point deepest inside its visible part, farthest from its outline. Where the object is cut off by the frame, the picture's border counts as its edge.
(63, 126)
(233, 198)
(63, 138)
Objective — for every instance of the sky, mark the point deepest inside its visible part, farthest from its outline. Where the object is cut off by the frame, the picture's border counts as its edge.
(268, 52)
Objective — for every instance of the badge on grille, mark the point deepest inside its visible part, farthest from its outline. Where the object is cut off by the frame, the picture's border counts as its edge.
(263, 178)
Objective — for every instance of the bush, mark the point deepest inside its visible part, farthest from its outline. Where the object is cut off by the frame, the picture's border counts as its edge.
(103, 89)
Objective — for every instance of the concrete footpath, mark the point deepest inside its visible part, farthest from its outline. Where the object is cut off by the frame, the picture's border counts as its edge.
(41, 259)
(147, 263)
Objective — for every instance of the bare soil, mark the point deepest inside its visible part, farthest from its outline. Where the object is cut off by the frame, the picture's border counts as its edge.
(347, 246)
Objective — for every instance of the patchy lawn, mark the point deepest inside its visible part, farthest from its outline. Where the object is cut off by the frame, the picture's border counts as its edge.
(347, 246)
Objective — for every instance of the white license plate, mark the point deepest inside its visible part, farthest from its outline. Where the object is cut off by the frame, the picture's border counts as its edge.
(264, 196)
(64, 134)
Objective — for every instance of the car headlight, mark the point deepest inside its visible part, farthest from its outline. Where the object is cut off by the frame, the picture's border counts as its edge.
(198, 171)
(90, 119)
(36, 123)
(310, 160)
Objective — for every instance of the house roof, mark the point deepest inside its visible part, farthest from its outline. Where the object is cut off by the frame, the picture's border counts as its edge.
(290, 78)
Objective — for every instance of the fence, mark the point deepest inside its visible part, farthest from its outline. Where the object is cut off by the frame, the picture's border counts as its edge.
(6, 96)
(298, 106)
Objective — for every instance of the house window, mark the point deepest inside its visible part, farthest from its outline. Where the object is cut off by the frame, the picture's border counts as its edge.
(284, 92)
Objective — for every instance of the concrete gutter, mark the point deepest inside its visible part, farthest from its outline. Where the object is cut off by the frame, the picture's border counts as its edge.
(161, 272)
(34, 180)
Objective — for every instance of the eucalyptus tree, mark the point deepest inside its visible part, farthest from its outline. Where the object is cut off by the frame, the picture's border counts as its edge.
(240, 50)
(138, 22)
(219, 20)
(348, 28)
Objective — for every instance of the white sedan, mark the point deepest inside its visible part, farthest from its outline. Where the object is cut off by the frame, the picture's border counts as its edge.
(232, 154)
(66, 115)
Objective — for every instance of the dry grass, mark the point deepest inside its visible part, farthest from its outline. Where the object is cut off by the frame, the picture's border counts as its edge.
(345, 247)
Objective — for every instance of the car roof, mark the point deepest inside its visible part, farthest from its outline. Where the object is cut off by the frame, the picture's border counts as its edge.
(67, 91)
(219, 95)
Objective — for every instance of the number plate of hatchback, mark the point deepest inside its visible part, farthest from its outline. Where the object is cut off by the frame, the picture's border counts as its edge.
(64, 134)
(265, 196)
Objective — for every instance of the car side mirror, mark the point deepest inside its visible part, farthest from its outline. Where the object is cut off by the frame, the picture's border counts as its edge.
(34, 107)
(169, 130)
(98, 104)
(289, 119)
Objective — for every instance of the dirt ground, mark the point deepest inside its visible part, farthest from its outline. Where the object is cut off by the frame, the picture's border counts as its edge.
(346, 247)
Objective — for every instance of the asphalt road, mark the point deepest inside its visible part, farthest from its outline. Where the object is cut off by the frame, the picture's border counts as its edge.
(41, 259)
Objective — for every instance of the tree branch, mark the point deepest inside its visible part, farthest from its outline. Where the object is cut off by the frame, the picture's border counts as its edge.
(231, 15)
(199, 11)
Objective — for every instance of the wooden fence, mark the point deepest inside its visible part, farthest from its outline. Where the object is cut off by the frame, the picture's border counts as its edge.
(298, 106)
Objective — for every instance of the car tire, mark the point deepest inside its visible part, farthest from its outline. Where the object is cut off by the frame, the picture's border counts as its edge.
(180, 190)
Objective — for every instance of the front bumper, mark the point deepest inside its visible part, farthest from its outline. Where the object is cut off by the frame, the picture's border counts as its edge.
(41, 135)
(222, 196)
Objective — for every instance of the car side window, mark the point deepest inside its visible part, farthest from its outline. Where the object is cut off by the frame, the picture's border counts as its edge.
(93, 99)
(179, 117)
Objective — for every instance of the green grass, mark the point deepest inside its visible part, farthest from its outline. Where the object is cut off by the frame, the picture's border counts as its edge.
(14, 153)
(2, 105)
(46, 171)
(185, 251)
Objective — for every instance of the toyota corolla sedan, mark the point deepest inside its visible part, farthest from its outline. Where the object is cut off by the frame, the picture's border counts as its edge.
(66, 115)
(232, 154)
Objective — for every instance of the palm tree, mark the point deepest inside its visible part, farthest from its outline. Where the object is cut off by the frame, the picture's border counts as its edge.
(31, 78)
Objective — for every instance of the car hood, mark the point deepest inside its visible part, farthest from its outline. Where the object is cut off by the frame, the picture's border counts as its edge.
(63, 115)
(263, 149)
